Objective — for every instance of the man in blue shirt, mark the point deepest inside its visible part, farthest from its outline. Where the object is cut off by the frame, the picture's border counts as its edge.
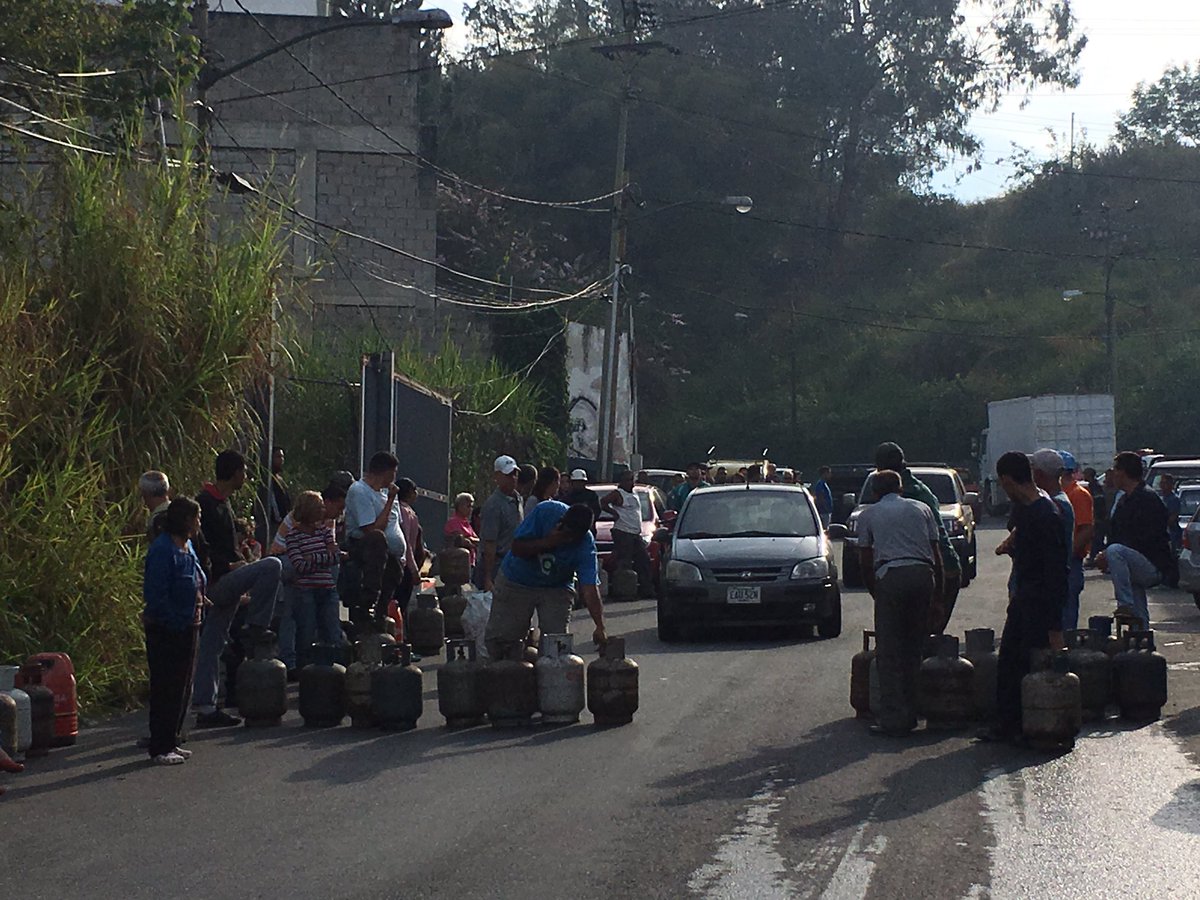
(550, 550)
(823, 495)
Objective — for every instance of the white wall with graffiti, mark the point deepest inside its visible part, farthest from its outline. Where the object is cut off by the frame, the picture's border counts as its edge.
(585, 366)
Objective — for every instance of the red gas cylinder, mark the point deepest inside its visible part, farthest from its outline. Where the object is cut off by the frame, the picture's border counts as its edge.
(59, 675)
(394, 612)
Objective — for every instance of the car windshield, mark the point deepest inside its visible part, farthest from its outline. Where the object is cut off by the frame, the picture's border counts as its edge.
(941, 483)
(717, 514)
(1189, 502)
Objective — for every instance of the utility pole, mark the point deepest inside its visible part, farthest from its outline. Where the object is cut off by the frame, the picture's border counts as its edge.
(1114, 246)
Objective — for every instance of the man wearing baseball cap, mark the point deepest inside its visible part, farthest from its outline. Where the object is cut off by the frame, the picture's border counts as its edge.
(579, 493)
(499, 518)
(1081, 502)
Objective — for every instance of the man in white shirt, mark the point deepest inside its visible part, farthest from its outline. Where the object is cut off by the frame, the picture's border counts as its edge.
(625, 507)
(376, 542)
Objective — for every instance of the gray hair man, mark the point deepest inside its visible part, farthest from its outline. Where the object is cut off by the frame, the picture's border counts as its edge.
(155, 488)
(902, 567)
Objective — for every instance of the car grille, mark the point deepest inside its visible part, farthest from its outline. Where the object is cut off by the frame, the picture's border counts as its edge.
(748, 574)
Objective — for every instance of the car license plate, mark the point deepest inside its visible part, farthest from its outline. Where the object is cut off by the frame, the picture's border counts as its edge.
(744, 595)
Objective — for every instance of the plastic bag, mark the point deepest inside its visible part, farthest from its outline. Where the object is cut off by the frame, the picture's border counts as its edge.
(475, 620)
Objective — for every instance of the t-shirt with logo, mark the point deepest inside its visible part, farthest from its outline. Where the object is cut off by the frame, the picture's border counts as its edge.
(555, 568)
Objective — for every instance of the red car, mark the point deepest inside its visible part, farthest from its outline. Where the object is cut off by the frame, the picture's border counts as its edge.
(654, 516)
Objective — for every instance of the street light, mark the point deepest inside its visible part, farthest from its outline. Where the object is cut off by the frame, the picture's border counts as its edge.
(1110, 334)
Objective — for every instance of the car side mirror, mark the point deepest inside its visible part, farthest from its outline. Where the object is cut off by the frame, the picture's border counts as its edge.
(837, 532)
(971, 499)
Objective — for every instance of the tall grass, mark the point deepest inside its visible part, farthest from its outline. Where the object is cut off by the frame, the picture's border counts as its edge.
(135, 303)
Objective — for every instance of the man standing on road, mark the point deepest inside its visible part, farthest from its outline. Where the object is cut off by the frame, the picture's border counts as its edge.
(889, 456)
(1038, 589)
(1138, 554)
(823, 495)
(1047, 466)
(550, 550)
(1099, 515)
(375, 539)
(155, 489)
(626, 509)
(902, 568)
(1081, 502)
(229, 577)
(499, 518)
(694, 479)
(580, 494)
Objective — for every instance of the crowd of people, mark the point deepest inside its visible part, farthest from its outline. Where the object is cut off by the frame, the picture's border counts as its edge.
(1058, 524)
(210, 594)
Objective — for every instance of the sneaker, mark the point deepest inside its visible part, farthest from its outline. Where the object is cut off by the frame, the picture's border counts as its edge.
(217, 719)
(168, 759)
(186, 754)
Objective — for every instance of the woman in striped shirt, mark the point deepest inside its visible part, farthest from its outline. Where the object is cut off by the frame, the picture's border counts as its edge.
(313, 553)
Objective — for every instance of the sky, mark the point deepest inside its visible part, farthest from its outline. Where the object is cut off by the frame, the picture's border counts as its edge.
(1128, 42)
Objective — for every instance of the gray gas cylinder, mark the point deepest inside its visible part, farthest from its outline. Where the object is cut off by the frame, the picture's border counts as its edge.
(41, 702)
(368, 657)
(10, 729)
(944, 691)
(323, 689)
(454, 566)
(262, 685)
(860, 677)
(510, 688)
(1050, 710)
(396, 690)
(1087, 659)
(981, 653)
(560, 680)
(623, 584)
(460, 694)
(612, 685)
(1103, 625)
(426, 627)
(8, 685)
(1140, 674)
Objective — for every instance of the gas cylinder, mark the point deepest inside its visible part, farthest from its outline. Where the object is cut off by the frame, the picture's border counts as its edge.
(262, 685)
(59, 675)
(8, 685)
(41, 701)
(1140, 674)
(323, 689)
(1087, 659)
(454, 604)
(427, 626)
(1103, 625)
(945, 694)
(1050, 711)
(389, 626)
(612, 685)
(623, 584)
(397, 618)
(396, 687)
(981, 653)
(369, 653)
(10, 728)
(559, 680)
(860, 677)
(458, 686)
(510, 688)
(454, 566)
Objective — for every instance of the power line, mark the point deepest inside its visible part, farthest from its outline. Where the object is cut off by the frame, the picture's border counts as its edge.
(524, 377)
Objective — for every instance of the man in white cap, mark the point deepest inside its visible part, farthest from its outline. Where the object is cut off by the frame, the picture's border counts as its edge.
(499, 518)
(579, 493)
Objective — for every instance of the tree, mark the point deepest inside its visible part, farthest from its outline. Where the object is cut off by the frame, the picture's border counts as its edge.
(1165, 112)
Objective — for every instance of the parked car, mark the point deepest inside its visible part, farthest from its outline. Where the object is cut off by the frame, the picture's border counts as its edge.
(1184, 470)
(655, 515)
(844, 482)
(1189, 502)
(663, 479)
(752, 554)
(956, 506)
(1189, 558)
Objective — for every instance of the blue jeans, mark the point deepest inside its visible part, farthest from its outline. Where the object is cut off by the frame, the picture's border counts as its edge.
(1131, 574)
(1074, 588)
(261, 579)
(317, 619)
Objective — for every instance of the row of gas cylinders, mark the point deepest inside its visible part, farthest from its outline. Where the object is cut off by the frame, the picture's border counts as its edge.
(1097, 673)
(38, 706)
(382, 688)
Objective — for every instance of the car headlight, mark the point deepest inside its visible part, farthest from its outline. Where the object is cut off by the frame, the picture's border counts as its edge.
(683, 573)
(810, 570)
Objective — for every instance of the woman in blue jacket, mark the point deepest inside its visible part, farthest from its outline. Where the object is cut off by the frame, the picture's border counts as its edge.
(173, 588)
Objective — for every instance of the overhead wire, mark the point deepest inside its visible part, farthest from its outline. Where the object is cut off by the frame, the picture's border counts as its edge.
(524, 377)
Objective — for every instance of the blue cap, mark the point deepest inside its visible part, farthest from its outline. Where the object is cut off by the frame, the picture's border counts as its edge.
(1069, 464)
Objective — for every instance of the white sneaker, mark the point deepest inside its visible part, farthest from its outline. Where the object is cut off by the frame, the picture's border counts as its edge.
(186, 754)
(168, 759)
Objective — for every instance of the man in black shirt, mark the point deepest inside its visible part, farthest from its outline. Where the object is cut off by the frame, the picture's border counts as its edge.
(1138, 554)
(1038, 590)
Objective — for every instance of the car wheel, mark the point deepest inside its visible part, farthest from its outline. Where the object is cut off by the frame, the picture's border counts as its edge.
(851, 576)
(832, 626)
(669, 632)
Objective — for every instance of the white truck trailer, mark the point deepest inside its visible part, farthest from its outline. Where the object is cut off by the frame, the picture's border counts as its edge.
(1080, 423)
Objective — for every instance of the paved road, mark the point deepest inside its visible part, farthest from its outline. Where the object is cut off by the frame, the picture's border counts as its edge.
(743, 776)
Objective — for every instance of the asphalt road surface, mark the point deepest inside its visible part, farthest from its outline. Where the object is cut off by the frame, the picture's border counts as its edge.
(743, 775)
